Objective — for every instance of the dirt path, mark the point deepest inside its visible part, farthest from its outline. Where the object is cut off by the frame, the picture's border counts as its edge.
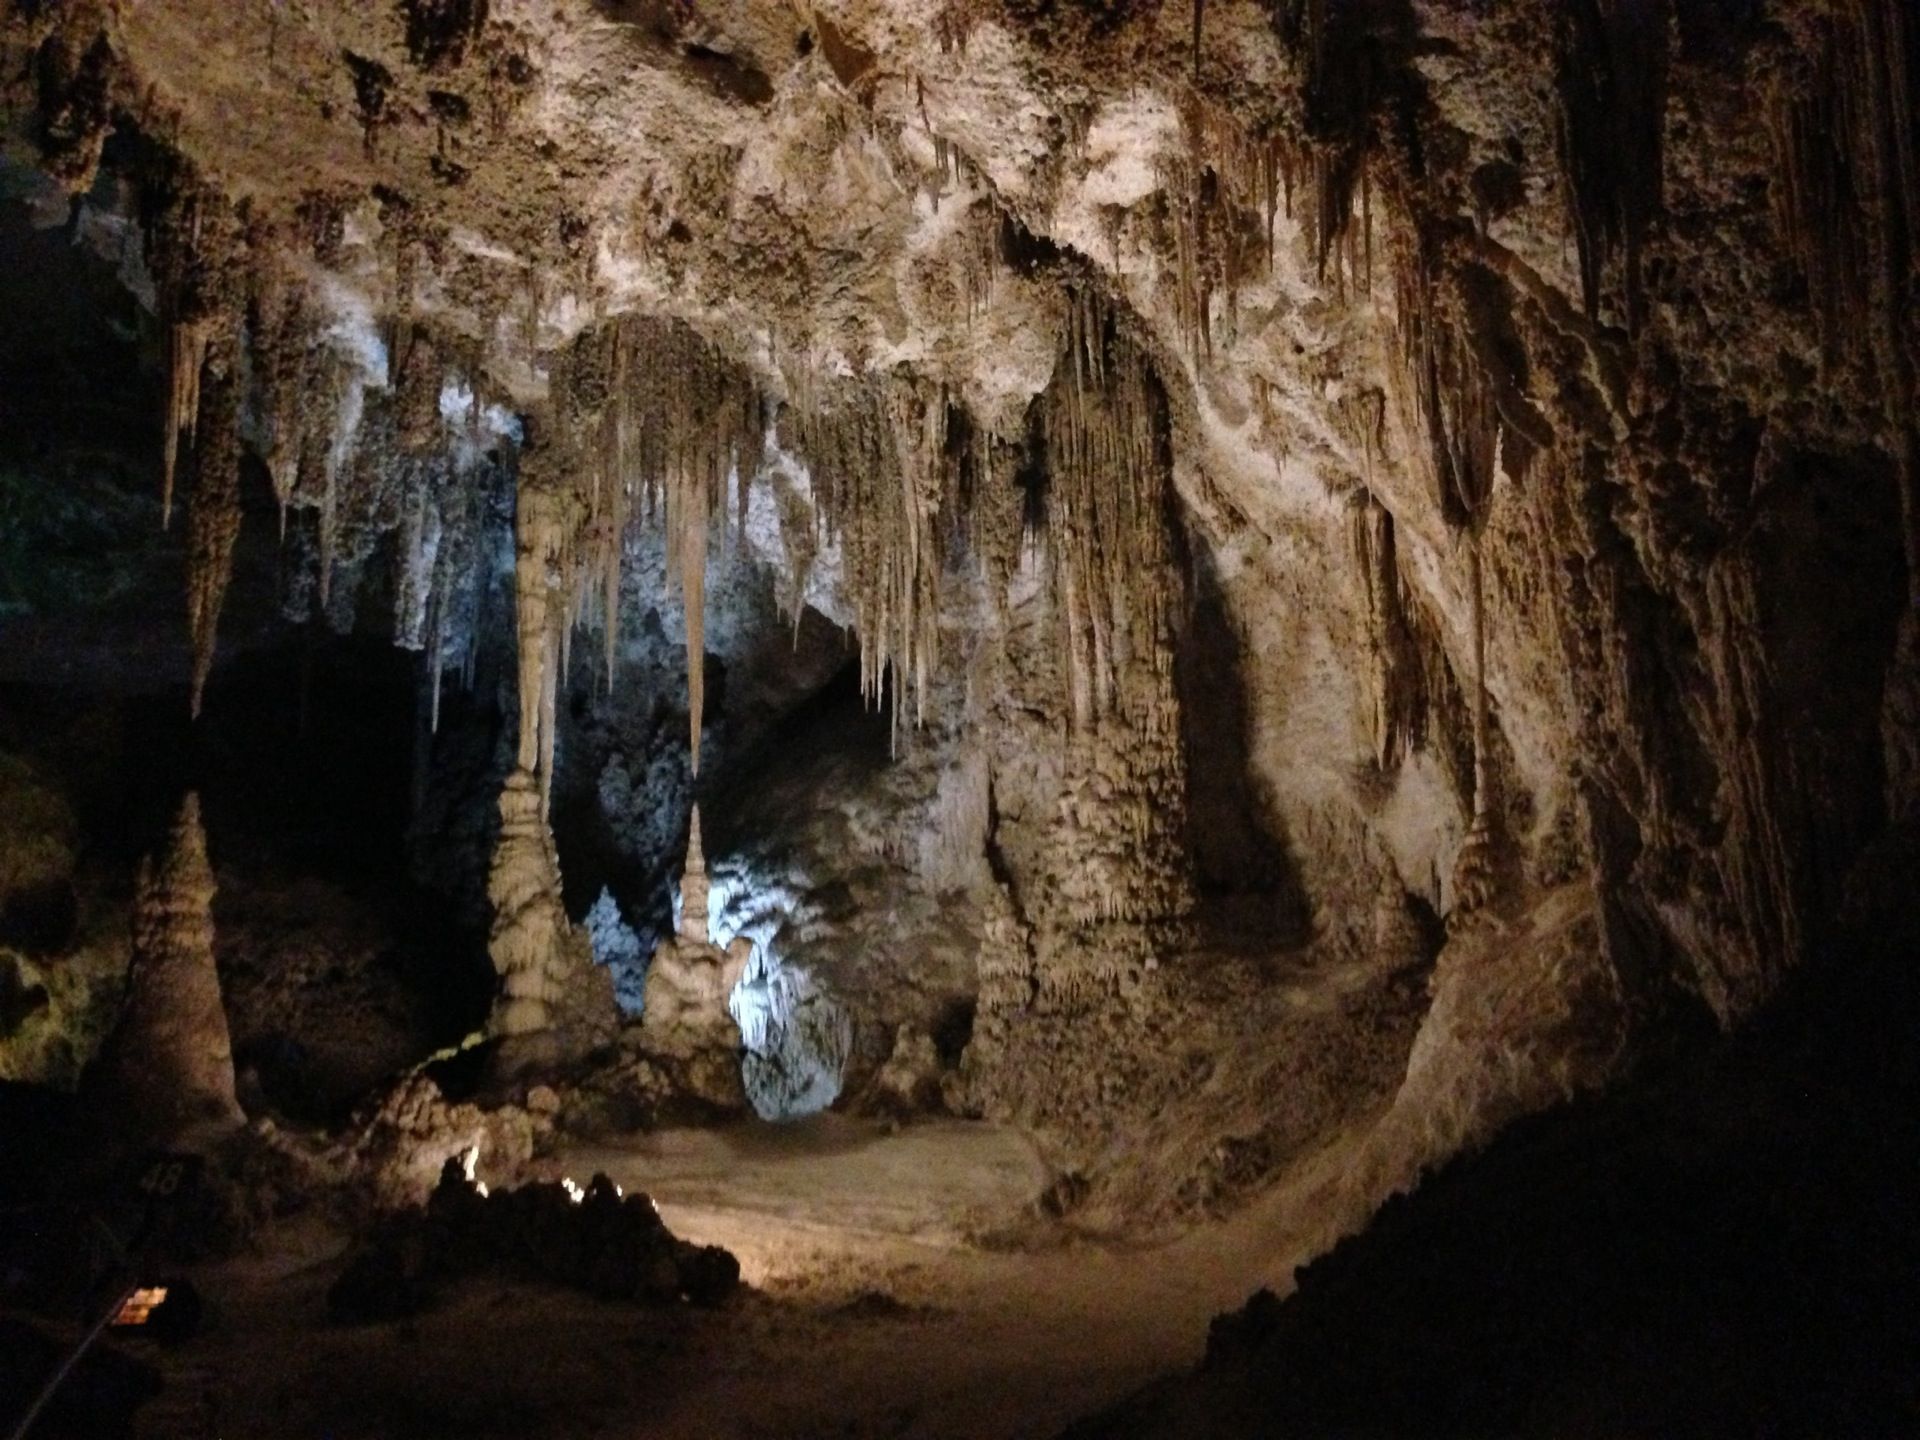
(937, 1334)
(876, 1309)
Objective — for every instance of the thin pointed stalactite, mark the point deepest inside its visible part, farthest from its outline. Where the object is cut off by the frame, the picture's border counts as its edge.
(1482, 767)
(1475, 874)
(282, 365)
(1229, 183)
(539, 556)
(690, 540)
(213, 512)
(186, 358)
(1106, 516)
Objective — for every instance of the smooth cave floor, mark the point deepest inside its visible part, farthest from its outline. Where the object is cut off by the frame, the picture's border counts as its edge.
(900, 1286)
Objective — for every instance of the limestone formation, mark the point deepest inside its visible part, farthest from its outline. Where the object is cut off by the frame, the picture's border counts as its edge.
(554, 1002)
(685, 1023)
(693, 926)
(167, 1070)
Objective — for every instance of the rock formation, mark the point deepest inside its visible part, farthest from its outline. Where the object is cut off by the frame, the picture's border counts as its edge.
(685, 1024)
(554, 1002)
(167, 1072)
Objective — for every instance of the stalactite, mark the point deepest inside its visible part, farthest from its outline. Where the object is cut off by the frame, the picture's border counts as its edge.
(214, 511)
(283, 369)
(415, 560)
(1348, 61)
(462, 577)
(75, 74)
(1398, 697)
(1227, 188)
(186, 358)
(1611, 79)
(1469, 397)
(1475, 866)
(655, 411)
(195, 251)
(544, 522)
(884, 474)
(688, 529)
(1452, 396)
(338, 447)
(1847, 207)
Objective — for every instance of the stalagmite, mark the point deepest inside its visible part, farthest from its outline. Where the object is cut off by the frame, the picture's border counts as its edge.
(168, 1068)
(693, 888)
(553, 1000)
(686, 1023)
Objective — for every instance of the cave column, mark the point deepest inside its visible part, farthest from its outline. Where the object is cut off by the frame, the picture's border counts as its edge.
(552, 1000)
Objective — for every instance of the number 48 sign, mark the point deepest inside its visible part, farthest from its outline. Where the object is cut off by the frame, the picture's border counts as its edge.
(164, 1177)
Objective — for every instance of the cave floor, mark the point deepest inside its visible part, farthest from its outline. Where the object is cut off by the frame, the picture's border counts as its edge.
(902, 1284)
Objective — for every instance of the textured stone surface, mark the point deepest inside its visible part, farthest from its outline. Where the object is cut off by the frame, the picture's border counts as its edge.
(166, 1073)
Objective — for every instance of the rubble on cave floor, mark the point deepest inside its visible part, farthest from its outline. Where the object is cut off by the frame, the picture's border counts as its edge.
(595, 1238)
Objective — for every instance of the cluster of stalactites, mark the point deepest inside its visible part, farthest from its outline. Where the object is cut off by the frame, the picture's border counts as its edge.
(374, 471)
(1107, 499)
(1610, 81)
(367, 456)
(662, 420)
(1448, 392)
(1228, 190)
(889, 471)
(1847, 204)
(1116, 588)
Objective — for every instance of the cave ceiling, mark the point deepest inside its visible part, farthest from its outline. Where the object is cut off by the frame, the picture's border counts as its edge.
(1493, 353)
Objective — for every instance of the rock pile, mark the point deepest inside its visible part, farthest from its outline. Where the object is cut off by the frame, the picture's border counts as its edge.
(608, 1244)
(400, 1146)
